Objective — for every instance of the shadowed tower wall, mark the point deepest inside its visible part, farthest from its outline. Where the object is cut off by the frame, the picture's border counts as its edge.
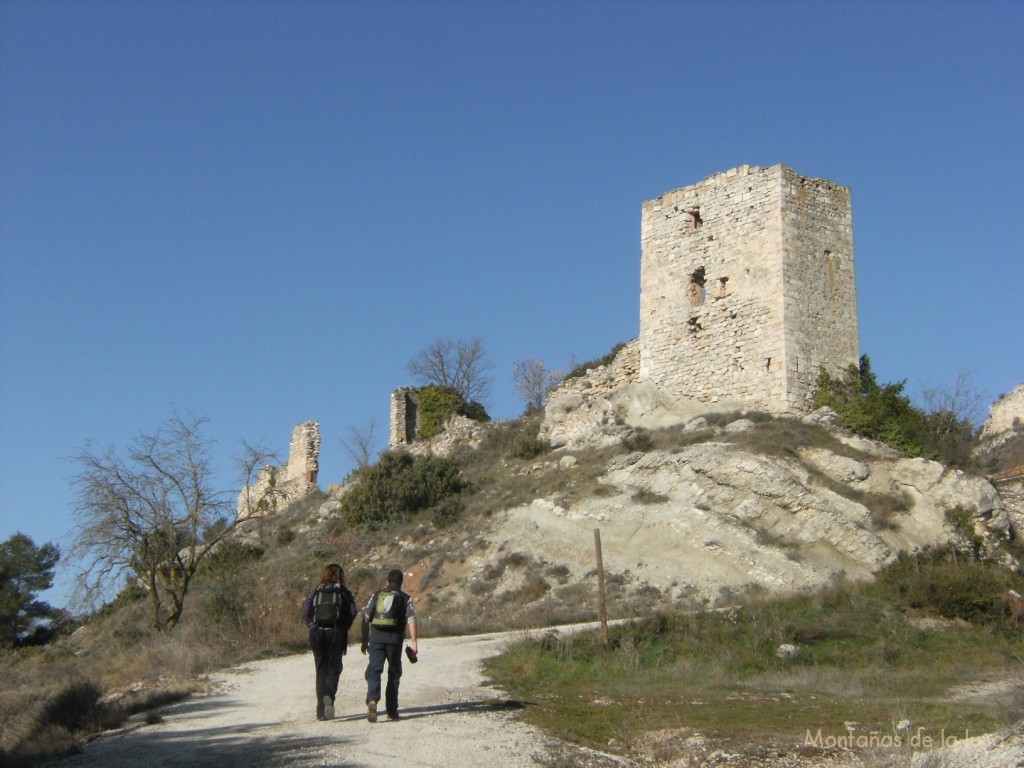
(747, 288)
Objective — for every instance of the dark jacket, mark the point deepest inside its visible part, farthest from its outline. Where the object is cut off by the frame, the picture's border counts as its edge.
(348, 610)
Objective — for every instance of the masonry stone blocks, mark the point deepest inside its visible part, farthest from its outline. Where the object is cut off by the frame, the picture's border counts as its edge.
(276, 487)
(747, 288)
(404, 416)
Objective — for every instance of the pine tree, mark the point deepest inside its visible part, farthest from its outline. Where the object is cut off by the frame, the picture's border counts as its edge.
(25, 571)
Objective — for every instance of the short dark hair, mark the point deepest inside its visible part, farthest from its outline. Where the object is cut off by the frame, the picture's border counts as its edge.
(395, 577)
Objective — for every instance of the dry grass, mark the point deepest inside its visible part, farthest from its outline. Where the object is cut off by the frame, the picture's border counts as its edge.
(860, 659)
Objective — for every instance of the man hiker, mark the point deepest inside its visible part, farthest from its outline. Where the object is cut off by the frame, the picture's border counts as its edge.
(385, 619)
(328, 612)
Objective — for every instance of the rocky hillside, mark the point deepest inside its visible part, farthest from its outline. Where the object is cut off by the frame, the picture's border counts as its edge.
(695, 513)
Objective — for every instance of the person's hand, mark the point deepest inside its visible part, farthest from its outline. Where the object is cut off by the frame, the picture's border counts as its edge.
(362, 648)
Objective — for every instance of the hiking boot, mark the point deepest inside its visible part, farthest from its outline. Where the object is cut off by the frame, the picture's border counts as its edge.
(371, 711)
(328, 708)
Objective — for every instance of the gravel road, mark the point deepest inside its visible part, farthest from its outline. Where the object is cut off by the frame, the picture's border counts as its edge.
(263, 714)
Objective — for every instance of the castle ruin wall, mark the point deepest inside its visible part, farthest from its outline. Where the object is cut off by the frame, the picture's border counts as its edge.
(1005, 415)
(276, 487)
(747, 288)
(404, 416)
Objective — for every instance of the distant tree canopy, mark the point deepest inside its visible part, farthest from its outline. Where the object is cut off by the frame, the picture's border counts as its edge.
(25, 571)
(883, 412)
(460, 364)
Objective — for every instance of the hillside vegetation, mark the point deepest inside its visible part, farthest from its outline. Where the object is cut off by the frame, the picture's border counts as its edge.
(883, 660)
(427, 514)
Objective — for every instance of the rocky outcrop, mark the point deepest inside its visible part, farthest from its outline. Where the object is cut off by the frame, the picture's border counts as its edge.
(712, 518)
(1002, 447)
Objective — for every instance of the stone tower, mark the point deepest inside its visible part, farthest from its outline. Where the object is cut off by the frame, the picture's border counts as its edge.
(405, 403)
(303, 457)
(275, 488)
(747, 288)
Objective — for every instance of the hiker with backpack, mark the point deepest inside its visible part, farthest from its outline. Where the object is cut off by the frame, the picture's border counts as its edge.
(385, 619)
(328, 612)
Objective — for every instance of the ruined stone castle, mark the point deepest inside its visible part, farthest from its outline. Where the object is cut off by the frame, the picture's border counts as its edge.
(746, 291)
(747, 288)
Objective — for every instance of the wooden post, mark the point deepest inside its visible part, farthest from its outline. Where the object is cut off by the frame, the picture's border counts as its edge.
(601, 607)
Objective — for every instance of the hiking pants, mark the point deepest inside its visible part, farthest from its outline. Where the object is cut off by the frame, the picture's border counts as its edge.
(380, 653)
(328, 646)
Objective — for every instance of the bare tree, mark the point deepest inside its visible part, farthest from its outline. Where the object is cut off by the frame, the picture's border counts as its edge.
(460, 364)
(533, 380)
(949, 408)
(153, 513)
(359, 443)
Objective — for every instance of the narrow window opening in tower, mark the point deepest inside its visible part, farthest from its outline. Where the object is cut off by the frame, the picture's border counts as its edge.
(693, 220)
(697, 292)
(723, 290)
(768, 366)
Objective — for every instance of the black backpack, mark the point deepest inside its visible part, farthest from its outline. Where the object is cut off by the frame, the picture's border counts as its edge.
(328, 605)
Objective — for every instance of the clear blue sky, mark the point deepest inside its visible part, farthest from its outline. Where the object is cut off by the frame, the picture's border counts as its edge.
(259, 212)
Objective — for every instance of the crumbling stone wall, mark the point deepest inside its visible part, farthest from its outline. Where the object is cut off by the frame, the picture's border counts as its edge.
(404, 416)
(303, 458)
(747, 288)
(603, 380)
(277, 487)
(1005, 414)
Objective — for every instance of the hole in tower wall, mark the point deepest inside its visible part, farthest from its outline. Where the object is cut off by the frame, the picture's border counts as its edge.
(697, 291)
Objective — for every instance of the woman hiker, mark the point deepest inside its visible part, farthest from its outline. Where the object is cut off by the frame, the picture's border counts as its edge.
(328, 612)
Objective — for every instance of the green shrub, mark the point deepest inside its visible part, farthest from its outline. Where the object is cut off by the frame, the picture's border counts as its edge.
(942, 582)
(527, 444)
(437, 404)
(883, 412)
(877, 411)
(399, 486)
(76, 707)
(447, 511)
(515, 438)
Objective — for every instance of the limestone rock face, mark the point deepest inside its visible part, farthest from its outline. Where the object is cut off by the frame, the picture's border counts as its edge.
(704, 519)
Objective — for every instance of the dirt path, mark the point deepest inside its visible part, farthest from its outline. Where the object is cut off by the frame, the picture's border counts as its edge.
(263, 714)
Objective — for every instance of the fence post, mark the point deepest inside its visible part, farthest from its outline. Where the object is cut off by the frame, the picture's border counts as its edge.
(601, 606)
